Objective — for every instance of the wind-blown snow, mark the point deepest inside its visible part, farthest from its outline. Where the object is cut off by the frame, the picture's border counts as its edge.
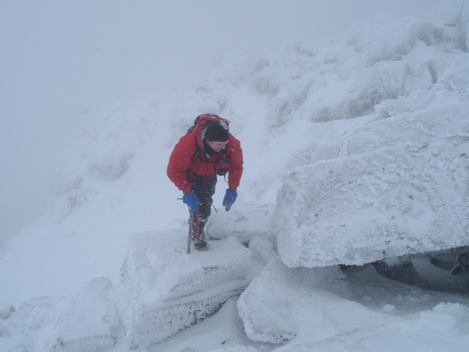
(356, 149)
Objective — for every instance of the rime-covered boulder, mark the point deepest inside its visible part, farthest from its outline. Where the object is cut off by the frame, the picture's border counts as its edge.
(282, 303)
(170, 290)
(397, 185)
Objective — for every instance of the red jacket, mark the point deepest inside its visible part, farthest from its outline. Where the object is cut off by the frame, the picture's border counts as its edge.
(187, 159)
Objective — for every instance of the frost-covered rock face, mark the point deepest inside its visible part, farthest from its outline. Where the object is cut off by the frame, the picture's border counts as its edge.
(397, 186)
(170, 291)
(398, 182)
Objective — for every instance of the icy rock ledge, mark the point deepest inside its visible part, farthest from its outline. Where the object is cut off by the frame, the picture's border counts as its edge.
(399, 186)
(170, 291)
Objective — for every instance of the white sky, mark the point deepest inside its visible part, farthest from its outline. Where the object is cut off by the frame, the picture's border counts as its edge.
(62, 60)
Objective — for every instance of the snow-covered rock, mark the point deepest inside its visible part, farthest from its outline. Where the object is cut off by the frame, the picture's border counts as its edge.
(282, 303)
(398, 182)
(398, 186)
(89, 322)
(170, 290)
(20, 331)
(245, 221)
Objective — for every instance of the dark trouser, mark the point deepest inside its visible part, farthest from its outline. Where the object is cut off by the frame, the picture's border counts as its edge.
(205, 189)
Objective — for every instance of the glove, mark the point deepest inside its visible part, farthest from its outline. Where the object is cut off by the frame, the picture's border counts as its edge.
(230, 198)
(192, 201)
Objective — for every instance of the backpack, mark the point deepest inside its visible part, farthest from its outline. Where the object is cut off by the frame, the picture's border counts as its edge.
(205, 117)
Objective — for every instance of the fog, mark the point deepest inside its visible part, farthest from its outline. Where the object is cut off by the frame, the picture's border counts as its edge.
(64, 61)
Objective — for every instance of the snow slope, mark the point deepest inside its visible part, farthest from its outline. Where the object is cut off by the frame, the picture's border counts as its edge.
(356, 150)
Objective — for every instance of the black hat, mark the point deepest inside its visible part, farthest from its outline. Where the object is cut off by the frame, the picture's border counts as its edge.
(217, 131)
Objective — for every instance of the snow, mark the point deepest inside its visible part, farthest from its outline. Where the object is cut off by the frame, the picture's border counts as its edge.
(170, 290)
(405, 192)
(290, 291)
(91, 313)
(356, 150)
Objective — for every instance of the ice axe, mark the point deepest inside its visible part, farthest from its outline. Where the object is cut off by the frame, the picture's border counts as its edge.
(189, 236)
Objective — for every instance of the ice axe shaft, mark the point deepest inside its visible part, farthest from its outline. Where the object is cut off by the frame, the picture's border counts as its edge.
(189, 236)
